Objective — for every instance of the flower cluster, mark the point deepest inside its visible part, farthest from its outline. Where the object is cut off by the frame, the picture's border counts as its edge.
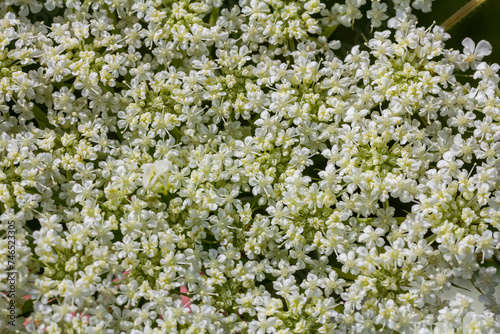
(237, 154)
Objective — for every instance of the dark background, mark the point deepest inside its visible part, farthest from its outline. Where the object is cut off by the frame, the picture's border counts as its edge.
(482, 23)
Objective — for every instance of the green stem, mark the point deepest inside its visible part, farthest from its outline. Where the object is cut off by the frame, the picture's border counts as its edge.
(430, 239)
(214, 16)
(327, 32)
(370, 220)
(461, 13)
(344, 275)
(41, 118)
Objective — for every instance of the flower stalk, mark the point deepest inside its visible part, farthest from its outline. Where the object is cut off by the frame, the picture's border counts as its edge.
(461, 13)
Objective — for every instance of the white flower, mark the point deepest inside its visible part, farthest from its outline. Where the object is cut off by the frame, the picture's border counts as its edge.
(161, 164)
(153, 171)
(474, 54)
(372, 236)
(261, 184)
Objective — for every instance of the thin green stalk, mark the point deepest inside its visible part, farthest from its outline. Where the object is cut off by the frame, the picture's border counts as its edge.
(328, 31)
(342, 274)
(214, 15)
(461, 13)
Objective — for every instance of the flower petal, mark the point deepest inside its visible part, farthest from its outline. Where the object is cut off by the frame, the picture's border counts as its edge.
(483, 48)
(468, 45)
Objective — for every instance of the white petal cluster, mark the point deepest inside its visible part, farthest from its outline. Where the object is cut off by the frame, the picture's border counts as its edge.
(222, 167)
